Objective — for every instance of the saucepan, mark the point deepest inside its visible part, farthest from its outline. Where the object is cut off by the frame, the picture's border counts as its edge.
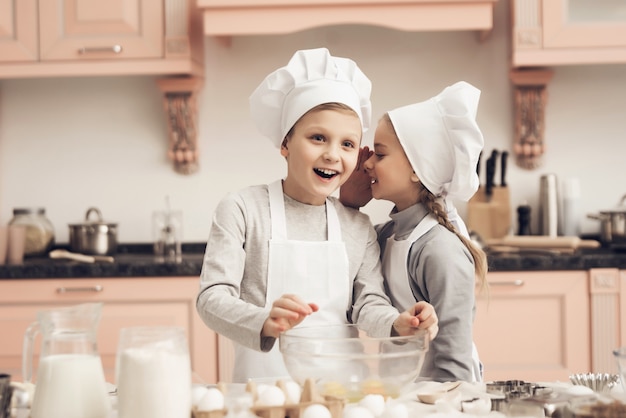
(612, 223)
(94, 237)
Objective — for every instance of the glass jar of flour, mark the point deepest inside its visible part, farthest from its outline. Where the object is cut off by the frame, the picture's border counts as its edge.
(39, 230)
(153, 371)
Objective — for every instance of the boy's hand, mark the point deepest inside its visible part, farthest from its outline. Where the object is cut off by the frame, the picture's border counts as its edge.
(422, 315)
(287, 312)
(356, 192)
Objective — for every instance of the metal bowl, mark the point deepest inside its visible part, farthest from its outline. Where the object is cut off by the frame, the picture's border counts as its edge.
(598, 382)
(345, 362)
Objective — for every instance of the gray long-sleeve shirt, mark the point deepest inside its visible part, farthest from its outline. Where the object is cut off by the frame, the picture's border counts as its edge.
(441, 272)
(233, 280)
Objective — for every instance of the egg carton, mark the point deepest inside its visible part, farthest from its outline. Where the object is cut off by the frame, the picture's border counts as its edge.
(308, 397)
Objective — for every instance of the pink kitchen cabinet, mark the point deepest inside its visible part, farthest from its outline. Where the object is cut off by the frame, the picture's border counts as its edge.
(93, 37)
(534, 326)
(225, 18)
(562, 32)
(18, 30)
(127, 302)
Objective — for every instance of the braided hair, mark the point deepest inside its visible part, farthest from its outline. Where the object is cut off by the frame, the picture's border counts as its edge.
(480, 259)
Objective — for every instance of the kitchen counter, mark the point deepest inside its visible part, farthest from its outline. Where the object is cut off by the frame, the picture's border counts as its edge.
(131, 260)
(581, 259)
(137, 260)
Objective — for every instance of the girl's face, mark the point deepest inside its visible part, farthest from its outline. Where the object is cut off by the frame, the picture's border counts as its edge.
(392, 176)
(321, 153)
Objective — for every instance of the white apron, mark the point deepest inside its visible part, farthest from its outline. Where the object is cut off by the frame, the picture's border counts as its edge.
(317, 271)
(394, 265)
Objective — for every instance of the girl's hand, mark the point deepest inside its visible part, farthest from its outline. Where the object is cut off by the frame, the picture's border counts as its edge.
(356, 192)
(287, 312)
(422, 315)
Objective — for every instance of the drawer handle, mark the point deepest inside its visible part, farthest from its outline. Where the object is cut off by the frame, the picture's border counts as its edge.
(116, 49)
(516, 283)
(96, 288)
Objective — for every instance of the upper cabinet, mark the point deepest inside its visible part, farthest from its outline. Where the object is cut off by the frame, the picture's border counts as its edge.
(225, 18)
(94, 37)
(562, 32)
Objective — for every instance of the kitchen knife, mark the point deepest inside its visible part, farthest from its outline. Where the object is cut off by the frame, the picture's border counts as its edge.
(491, 171)
(503, 162)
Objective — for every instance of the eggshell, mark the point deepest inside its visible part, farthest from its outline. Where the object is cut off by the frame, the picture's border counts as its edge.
(213, 400)
(316, 411)
(197, 393)
(294, 392)
(356, 411)
(374, 403)
(271, 396)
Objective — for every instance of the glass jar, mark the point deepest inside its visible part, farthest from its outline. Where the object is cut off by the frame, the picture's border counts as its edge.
(39, 230)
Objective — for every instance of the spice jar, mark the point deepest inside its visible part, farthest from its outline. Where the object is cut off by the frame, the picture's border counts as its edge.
(39, 230)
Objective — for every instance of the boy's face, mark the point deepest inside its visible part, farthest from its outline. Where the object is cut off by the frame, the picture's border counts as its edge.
(392, 176)
(321, 154)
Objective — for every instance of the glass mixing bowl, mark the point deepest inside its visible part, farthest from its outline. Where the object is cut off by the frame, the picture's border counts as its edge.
(347, 363)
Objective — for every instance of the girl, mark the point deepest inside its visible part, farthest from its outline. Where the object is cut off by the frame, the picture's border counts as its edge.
(424, 154)
(286, 253)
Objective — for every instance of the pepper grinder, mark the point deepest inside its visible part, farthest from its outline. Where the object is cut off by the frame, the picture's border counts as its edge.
(523, 219)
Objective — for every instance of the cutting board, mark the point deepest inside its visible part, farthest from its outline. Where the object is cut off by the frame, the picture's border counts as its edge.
(540, 241)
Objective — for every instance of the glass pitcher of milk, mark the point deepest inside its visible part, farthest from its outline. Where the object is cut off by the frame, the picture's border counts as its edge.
(70, 379)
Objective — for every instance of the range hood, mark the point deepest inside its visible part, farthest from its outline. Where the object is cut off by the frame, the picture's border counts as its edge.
(226, 18)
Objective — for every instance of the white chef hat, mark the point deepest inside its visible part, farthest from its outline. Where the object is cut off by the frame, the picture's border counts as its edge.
(312, 77)
(442, 140)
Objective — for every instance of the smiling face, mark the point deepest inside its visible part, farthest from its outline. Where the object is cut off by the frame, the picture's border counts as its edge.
(321, 150)
(392, 176)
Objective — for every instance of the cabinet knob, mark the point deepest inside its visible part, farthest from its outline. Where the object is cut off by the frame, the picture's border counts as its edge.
(516, 283)
(96, 288)
(116, 49)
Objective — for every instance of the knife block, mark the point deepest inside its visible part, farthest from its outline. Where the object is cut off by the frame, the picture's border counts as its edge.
(490, 219)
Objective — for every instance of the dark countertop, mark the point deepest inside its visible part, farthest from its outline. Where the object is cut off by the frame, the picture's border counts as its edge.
(131, 260)
(137, 260)
(582, 259)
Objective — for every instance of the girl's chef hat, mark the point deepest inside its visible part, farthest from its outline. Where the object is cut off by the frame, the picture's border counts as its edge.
(312, 77)
(442, 140)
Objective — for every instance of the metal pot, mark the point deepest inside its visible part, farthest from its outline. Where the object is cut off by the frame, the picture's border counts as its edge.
(93, 237)
(613, 224)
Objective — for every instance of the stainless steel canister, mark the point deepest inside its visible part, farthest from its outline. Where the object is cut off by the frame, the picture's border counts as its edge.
(548, 205)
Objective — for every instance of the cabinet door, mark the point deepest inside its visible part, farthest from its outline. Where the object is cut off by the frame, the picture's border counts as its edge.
(115, 316)
(534, 326)
(18, 30)
(126, 303)
(96, 29)
(581, 23)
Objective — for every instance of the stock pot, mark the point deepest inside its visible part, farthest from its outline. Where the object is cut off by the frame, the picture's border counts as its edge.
(612, 224)
(94, 237)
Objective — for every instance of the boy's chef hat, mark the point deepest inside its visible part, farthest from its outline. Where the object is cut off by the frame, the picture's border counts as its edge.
(442, 140)
(312, 77)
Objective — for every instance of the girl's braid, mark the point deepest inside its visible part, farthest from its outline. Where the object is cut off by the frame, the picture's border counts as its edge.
(480, 259)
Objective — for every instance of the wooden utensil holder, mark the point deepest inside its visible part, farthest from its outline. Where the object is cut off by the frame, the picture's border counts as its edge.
(490, 219)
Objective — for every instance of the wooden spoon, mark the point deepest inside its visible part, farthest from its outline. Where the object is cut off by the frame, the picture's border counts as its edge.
(433, 396)
(80, 257)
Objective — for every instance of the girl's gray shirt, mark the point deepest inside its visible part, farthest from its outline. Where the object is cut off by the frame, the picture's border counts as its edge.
(441, 272)
(233, 280)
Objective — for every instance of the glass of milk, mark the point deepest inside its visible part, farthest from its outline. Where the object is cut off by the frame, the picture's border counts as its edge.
(153, 373)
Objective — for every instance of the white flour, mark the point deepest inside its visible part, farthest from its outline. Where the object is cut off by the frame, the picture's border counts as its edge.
(153, 383)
